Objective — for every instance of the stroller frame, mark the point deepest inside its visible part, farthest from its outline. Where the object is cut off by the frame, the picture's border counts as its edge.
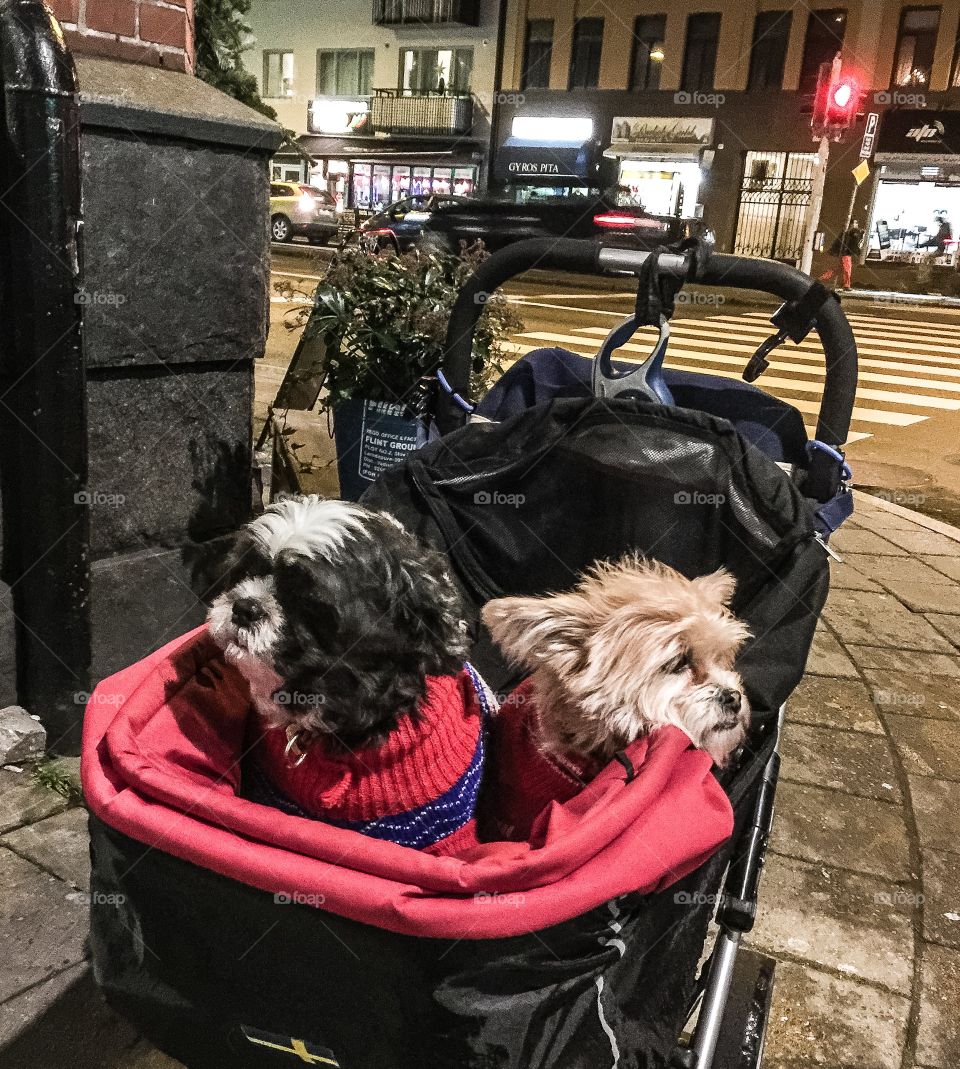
(209, 995)
(734, 990)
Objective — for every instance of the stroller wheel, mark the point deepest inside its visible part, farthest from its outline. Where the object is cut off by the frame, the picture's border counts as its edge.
(744, 1027)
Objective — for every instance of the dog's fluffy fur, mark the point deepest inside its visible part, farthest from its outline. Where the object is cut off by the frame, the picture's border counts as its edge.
(634, 646)
(336, 615)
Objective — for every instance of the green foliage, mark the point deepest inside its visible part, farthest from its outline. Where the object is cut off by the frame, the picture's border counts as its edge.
(383, 320)
(222, 36)
(54, 777)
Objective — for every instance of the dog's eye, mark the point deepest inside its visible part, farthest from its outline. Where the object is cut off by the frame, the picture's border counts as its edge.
(680, 663)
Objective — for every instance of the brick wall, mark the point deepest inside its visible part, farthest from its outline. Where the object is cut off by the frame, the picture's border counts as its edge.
(155, 32)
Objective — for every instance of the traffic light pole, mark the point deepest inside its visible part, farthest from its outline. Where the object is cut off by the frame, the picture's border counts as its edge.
(812, 220)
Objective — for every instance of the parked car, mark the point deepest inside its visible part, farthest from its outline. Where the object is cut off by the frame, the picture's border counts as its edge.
(298, 209)
(440, 222)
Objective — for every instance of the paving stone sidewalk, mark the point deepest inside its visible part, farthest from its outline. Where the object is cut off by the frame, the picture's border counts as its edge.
(860, 901)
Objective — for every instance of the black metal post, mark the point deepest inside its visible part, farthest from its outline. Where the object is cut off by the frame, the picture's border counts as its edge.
(43, 431)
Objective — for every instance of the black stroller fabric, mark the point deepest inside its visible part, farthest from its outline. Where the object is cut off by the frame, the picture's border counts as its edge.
(525, 506)
(771, 425)
(220, 974)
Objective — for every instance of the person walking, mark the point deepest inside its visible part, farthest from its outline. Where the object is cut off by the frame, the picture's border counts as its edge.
(845, 247)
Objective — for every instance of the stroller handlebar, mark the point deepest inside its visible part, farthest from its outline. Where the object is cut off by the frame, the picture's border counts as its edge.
(744, 272)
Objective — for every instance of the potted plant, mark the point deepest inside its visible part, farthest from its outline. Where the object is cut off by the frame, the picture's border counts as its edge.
(382, 320)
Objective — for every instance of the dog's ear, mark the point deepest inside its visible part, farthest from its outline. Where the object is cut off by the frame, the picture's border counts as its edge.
(535, 631)
(719, 586)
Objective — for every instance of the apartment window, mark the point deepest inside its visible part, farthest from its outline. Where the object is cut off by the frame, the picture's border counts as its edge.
(915, 44)
(277, 73)
(768, 53)
(700, 51)
(585, 53)
(825, 32)
(647, 61)
(537, 54)
(955, 68)
(347, 72)
(435, 70)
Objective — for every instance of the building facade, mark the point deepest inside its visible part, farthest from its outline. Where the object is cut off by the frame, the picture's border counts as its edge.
(390, 98)
(707, 113)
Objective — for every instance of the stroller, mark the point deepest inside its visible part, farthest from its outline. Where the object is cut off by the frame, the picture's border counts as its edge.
(232, 935)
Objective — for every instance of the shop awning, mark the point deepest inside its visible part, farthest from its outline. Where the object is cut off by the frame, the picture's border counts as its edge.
(545, 163)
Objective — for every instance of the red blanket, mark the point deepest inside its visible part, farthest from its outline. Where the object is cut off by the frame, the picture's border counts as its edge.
(163, 741)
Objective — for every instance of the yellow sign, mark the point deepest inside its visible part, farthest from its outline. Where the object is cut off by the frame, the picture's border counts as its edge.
(861, 172)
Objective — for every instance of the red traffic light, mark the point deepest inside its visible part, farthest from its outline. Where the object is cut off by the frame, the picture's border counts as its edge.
(844, 99)
(835, 103)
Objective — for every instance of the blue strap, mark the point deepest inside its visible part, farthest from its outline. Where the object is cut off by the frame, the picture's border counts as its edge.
(442, 379)
(845, 469)
(831, 514)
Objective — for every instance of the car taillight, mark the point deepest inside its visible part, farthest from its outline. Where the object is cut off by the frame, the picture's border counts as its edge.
(378, 230)
(615, 221)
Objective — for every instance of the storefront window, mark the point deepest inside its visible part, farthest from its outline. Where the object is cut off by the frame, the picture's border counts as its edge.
(661, 187)
(380, 190)
(361, 186)
(915, 220)
(463, 180)
(400, 183)
(442, 180)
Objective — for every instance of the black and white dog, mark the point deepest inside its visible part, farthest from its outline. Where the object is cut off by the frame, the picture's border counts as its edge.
(351, 635)
(336, 615)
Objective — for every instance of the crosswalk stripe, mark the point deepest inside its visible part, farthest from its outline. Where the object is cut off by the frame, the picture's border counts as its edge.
(865, 415)
(771, 381)
(871, 320)
(802, 366)
(898, 328)
(871, 342)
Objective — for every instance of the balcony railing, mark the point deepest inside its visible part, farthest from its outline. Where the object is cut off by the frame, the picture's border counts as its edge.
(435, 114)
(416, 12)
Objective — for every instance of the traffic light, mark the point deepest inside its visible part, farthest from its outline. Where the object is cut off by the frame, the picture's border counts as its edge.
(835, 103)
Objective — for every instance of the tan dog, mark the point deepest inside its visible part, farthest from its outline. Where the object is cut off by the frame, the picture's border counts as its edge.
(633, 647)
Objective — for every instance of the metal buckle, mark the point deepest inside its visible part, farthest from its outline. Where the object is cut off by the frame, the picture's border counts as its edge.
(293, 748)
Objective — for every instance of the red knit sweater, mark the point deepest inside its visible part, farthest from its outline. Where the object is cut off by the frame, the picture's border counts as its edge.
(425, 774)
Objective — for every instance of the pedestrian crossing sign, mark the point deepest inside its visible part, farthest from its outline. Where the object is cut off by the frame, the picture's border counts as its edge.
(861, 172)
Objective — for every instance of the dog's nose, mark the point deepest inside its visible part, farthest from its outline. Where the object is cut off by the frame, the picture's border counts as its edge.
(731, 700)
(247, 611)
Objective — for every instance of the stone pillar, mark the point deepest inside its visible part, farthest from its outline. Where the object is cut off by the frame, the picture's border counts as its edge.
(175, 309)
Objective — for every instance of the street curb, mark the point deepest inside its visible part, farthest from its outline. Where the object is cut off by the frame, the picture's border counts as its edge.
(918, 518)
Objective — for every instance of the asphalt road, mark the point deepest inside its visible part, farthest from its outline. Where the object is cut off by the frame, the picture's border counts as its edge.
(905, 435)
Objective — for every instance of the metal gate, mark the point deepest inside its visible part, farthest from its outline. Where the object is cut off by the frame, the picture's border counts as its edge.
(774, 195)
